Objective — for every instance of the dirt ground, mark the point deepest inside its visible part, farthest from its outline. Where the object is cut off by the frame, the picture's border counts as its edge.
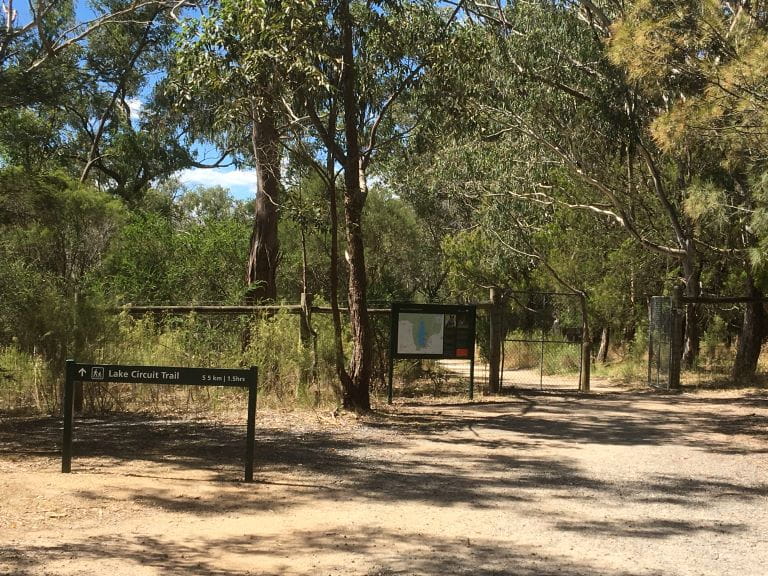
(611, 483)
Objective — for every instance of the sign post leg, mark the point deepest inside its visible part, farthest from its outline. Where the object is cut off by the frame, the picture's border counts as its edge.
(68, 412)
(251, 433)
(472, 378)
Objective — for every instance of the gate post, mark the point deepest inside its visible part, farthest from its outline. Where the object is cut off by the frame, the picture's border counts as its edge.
(586, 345)
(308, 340)
(496, 317)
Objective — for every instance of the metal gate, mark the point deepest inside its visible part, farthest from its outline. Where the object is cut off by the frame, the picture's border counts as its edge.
(543, 343)
(663, 343)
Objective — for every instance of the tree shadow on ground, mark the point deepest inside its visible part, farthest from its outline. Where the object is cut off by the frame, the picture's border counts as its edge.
(348, 553)
(350, 458)
(611, 419)
(441, 455)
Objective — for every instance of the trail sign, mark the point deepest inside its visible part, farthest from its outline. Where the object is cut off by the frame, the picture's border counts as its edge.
(175, 375)
(163, 375)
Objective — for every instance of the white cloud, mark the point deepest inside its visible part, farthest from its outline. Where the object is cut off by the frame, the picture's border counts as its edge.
(136, 106)
(241, 183)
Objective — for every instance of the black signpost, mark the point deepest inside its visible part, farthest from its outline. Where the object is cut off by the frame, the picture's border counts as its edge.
(107, 373)
(432, 331)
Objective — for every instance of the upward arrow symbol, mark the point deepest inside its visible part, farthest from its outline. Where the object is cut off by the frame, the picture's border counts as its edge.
(81, 371)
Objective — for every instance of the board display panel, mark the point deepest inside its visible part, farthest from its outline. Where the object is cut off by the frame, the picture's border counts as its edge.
(433, 331)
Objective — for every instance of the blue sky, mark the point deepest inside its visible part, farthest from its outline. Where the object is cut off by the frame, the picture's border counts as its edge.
(240, 183)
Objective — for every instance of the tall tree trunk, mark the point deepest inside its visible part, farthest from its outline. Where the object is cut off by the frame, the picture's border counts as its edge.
(264, 251)
(341, 370)
(356, 396)
(754, 329)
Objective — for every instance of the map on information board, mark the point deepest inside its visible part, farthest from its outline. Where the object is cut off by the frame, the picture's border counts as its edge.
(420, 333)
(433, 330)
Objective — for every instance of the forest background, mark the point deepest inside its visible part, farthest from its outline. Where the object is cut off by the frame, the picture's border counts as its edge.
(402, 150)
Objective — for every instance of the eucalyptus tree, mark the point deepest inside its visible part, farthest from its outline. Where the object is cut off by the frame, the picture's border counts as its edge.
(234, 67)
(42, 31)
(375, 53)
(70, 78)
(55, 233)
(544, 86)
(705, 63)
(644, 114)
(336, 69)
(189, 254)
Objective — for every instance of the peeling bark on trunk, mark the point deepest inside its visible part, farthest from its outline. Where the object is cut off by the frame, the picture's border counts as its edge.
(262, 260)
(357, 395)
(605, 338)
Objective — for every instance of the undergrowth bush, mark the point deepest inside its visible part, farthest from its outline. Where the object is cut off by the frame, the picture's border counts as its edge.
(290, 375)
(26, 382)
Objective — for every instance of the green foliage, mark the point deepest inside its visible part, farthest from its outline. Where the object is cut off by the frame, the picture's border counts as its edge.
(477, 260)
(193, 254)
(706, 62)
(758, 223)
(274, 348)
(714, 340)
(404, 262)
(206, 341)
(527, 147)
(54, 235)
(232, 66)
(138, 268)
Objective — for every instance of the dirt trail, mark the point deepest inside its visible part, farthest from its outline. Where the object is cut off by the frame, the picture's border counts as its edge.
(610, 484)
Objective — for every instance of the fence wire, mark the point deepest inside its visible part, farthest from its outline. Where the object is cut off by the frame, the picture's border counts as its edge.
(542, 348)
(719, 326)
(660, 337)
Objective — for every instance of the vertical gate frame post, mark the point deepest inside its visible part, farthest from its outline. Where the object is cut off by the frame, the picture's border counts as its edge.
(471, 391)
(495, 314)
(586, 346)
(392, 352)
(651, 342)
(541, 344)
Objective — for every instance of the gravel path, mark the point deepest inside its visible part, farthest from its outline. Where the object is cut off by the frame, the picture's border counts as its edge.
(603, 484)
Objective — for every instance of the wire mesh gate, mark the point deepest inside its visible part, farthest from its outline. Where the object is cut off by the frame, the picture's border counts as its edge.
(543, 343)
(663, 343)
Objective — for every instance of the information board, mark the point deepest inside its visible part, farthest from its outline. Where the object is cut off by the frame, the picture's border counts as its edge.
(438, 331)
(433, 331)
